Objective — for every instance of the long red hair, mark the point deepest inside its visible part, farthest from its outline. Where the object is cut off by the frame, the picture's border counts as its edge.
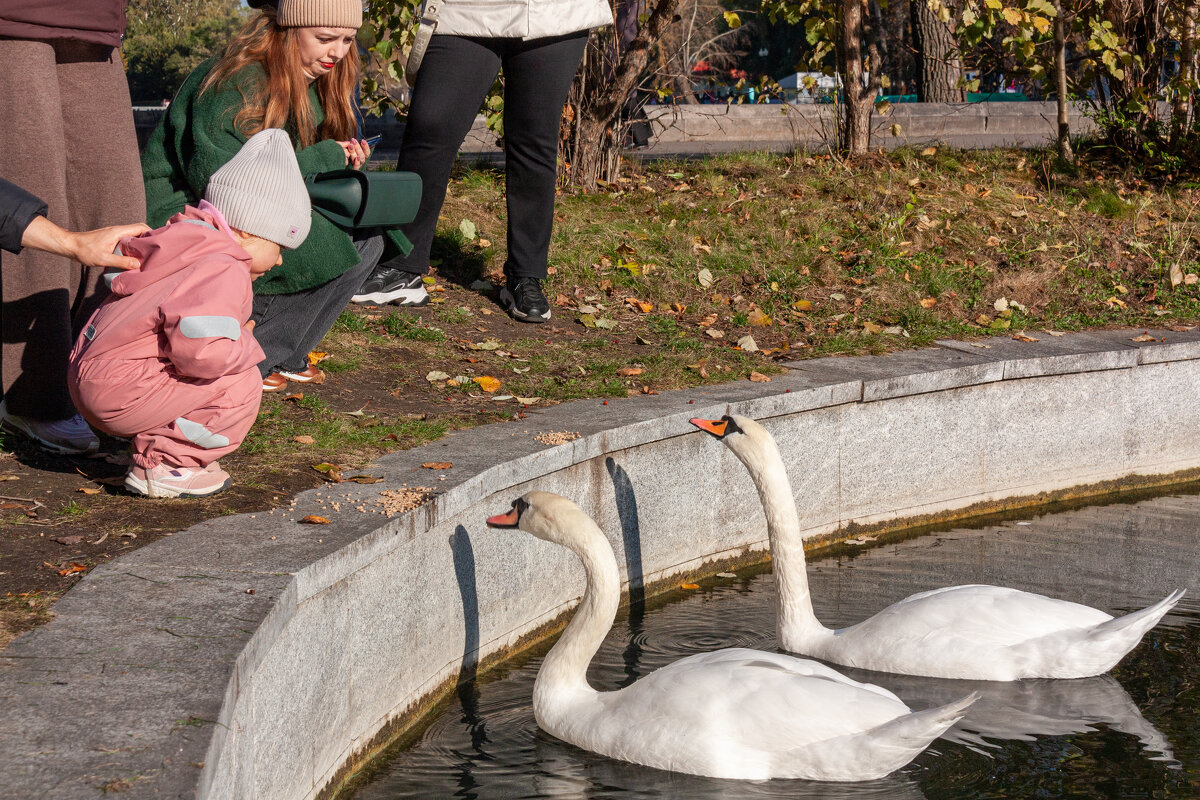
(283, 97)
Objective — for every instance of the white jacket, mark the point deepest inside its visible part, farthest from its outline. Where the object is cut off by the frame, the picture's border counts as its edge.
(521, 19)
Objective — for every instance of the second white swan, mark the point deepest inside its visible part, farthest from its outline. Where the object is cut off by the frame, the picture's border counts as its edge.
(733, 713)
(975, 632)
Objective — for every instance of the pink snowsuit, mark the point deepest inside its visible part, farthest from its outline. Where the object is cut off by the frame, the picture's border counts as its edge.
(167, 359)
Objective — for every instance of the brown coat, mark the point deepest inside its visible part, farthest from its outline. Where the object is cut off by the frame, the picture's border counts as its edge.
(93, 21)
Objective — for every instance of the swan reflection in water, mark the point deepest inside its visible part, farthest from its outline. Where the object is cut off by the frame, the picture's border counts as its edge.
(1024, 710)
(564, 772)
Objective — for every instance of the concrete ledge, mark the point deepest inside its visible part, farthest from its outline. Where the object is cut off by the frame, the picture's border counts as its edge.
(253, 657)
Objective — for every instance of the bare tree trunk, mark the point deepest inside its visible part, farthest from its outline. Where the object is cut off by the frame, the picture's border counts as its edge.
(1182, 112)
(938, 66)
(855, 135)
(1060, 84)
(597, 141)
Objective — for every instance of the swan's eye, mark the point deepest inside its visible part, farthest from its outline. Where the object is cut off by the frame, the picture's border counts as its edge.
(731, 426)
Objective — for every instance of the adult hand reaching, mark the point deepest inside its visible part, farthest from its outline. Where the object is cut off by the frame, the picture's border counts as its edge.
(90, 248)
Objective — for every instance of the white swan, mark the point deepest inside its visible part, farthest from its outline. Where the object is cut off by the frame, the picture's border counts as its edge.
(975, 632)
(733, 713)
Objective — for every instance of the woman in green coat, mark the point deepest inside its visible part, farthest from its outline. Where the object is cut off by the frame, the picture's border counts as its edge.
(293, 68)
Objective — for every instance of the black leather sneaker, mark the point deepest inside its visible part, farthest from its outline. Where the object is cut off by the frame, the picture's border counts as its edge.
(390, 285)
(524, 301)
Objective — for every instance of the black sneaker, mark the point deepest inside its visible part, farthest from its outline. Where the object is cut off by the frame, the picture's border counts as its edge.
(390, 285)
(524, 301)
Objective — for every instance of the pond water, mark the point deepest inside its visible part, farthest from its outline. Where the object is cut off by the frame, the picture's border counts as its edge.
(1131, 734)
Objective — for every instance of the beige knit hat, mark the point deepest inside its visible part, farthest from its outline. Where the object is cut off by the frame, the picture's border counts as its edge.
(260, 190)
(320, 14)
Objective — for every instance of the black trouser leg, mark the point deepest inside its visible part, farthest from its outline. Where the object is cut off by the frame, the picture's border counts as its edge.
(537, 77)
(455, 76)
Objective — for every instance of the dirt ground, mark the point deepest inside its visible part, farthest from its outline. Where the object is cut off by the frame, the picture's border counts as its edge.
(62, 516)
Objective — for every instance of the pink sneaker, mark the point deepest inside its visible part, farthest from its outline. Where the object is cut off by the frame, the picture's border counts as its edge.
(168, 481)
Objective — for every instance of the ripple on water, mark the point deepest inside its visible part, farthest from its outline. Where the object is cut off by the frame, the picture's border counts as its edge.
(1131, 734)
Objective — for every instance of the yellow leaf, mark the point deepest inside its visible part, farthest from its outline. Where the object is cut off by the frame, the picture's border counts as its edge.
(802, 305)
(733, 20)
(88, 490)
(758, 377)
(1041, 23)
(316, 358)
(304, 439)
(929, 151)
(1012, 16)
(758, 319)
(689, 586)
(487, 383)
(928, 302)
(1121, 289)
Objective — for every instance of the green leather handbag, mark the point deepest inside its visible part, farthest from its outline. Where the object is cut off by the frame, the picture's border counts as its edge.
(352, 198)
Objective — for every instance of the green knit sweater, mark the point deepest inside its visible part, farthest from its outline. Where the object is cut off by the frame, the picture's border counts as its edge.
(196, 136)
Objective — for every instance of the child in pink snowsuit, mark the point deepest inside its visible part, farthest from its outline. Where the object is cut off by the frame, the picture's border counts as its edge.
(169, 359)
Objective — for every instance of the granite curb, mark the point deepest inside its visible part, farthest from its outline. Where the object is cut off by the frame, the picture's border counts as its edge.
(176, 671)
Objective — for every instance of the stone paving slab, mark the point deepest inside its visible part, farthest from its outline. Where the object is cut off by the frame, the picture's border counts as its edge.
(140, 677)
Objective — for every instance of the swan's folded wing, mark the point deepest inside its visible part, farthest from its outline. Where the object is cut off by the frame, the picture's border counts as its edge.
(756, 700)
(978, 614)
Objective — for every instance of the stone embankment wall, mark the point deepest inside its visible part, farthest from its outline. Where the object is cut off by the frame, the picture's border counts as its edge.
(701, 129)
(254, 657)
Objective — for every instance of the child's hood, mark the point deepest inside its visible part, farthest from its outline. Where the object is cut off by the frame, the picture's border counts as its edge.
(196, 234)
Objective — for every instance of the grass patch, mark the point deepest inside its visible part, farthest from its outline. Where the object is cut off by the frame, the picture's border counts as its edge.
(406, 326)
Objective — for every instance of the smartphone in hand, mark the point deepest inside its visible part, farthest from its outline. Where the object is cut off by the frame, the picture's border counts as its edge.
(371, 141)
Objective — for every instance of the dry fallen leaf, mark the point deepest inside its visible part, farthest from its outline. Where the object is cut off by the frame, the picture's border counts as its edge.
(802, 305)
(758, 319)
(715, 333)
(437, 375)
(331, 472)
(437, 465)
(15, 478)
(747, 344)
(313, 519)
(928, 302)
(316, 358)
(304, 439)
(68, 540)
(1020, 337)
(689, 586)
(1176, 273)
(929, 151)
(364, 479)
(758, 377)
(88, 490)
(487, 383)
(72, 569)
(629, 372)
(705, 278)
(1145, 337)
(297, 396)
(639, 305)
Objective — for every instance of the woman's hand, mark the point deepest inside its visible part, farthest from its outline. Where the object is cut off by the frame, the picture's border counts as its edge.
(90, 248)
(357, 152)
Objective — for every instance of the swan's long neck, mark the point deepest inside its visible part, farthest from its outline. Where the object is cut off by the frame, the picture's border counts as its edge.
(564, 670)
(794, 614)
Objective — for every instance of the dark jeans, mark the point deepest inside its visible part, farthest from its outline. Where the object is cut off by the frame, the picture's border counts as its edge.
(288, 326)
(455, 76)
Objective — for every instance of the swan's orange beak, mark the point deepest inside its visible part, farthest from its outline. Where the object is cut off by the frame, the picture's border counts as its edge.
(714, 426)
(508, 520)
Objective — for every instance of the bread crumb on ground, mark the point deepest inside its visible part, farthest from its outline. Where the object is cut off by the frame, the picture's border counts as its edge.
(556, 437)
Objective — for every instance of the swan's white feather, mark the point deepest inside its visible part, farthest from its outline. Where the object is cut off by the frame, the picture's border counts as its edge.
(732, 713)
(970, 632)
